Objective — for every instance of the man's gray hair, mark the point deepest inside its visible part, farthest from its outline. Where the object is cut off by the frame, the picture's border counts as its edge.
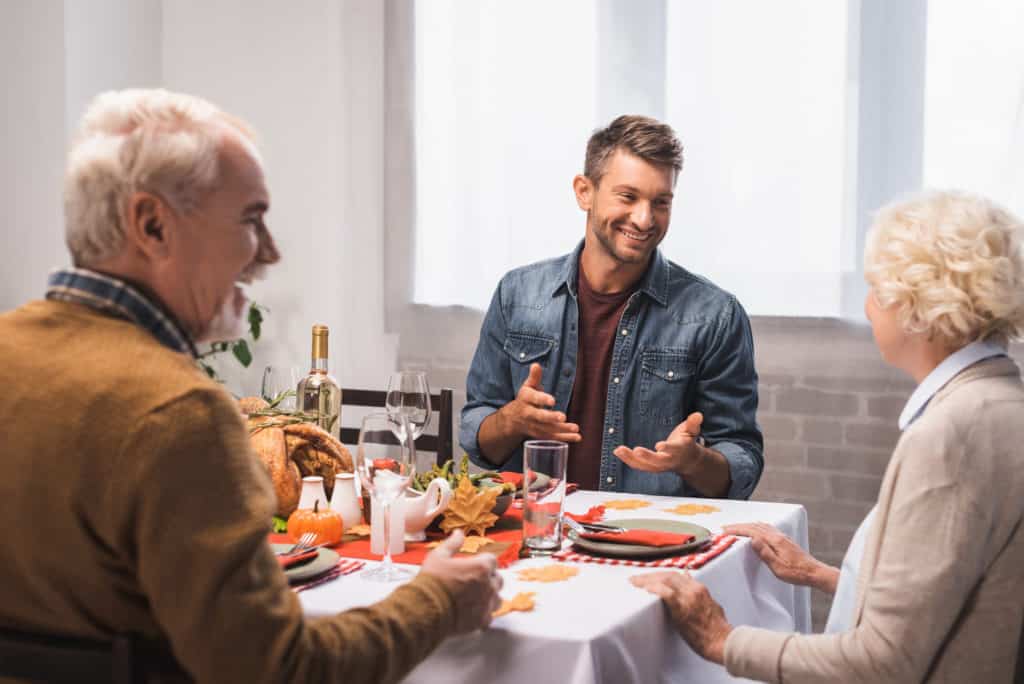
(139, 140)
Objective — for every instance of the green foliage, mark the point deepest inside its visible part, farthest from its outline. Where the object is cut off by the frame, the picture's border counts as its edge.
(239, 348)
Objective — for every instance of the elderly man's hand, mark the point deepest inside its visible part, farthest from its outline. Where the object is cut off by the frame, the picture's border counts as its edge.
(530, 413)
(697, 616)
(785, 558)
(473, 582)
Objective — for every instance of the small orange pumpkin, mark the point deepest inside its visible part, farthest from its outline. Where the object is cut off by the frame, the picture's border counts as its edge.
(327, 524)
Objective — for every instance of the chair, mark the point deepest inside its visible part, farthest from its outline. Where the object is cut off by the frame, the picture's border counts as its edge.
(51, 658)
(441, 444)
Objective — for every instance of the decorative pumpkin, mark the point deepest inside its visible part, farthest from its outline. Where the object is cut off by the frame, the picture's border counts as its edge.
(326, 524)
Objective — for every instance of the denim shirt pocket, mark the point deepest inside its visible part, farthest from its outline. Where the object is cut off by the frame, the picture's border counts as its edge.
(665, 380)
(524, 349)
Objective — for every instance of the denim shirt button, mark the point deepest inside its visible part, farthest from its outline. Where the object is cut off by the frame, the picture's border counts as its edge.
(522, 355)
(610, 480)
(625, 332)
(611, 431)
(615, 380)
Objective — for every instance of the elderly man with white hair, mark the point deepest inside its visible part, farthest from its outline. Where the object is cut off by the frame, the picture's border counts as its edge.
(132, 503)
(931, 588)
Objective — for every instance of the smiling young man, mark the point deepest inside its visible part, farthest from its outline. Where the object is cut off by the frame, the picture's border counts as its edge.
(646, 369)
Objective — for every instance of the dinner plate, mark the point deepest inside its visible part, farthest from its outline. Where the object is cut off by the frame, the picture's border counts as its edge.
(324, 561)
(700, 534)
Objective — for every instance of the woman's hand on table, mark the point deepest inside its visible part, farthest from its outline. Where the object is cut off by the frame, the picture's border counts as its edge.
(785, 558)
(473, 582)
(698, 617)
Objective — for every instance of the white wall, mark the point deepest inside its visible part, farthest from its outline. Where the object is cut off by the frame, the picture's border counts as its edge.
(31, 146)
(307, 75)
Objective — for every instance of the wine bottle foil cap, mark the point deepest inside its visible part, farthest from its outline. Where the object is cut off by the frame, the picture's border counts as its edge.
(319, 341)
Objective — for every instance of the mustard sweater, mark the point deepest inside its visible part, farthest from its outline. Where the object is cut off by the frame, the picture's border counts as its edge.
(131, 502)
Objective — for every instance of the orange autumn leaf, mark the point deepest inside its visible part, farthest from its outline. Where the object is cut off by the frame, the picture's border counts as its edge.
(362, 530)
(470, 545)
(693, 509)
(522, 602)
(548, 573)
(626, 504)
(470, 509)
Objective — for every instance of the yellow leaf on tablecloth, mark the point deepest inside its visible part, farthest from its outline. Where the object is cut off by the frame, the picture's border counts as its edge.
(626, 504)
(470, 509)
(548, 573)
(362, 530)
(470, 545)
(693, 509)
(522, 602)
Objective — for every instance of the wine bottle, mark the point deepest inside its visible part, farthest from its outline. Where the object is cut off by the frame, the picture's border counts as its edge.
(319, 393)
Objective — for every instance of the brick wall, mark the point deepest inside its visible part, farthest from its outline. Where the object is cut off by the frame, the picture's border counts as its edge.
(828, 410)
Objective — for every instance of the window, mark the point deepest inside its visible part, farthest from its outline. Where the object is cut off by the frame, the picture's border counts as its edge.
(974, 99)
(506, 95)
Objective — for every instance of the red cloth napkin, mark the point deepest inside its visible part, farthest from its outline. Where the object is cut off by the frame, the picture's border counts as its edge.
(593, 514)
(640, 537)
(719, 543)
(289, 561)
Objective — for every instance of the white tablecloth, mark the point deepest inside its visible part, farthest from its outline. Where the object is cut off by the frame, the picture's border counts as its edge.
(597, 627)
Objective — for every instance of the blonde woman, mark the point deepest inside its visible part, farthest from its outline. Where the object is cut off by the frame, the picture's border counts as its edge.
(932, 587)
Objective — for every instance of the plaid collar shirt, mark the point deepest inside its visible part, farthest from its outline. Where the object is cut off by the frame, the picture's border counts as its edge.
(118, 298)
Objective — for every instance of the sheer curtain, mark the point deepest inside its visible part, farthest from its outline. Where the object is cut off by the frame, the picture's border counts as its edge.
(506, 95)
(974, 99)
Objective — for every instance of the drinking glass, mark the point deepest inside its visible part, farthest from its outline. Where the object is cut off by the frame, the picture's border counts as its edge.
(409, 395)
(385, 465)
(277, 380)
(544, 464)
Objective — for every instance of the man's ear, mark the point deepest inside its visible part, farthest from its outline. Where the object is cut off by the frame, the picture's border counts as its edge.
(148, 224)
(584, 189)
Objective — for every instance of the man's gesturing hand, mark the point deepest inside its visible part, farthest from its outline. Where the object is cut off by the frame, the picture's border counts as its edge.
(530, 412)
(473, 582)
(679, 453)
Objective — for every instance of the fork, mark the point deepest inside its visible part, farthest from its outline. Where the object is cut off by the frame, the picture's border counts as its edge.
(581, 528)
(304, 543)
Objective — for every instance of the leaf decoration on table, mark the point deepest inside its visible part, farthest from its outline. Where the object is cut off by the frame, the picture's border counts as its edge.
(693, 509)
(548, 573)
(626, 504)
(521, 602)
(361, 530)
(469, 545)
(470, 509)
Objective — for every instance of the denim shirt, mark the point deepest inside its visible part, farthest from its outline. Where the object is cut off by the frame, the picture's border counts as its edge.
(684, 345)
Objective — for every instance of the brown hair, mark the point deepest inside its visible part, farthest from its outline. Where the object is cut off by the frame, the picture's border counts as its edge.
(647, 138)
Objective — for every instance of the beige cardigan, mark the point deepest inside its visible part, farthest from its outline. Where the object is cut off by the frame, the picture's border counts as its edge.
(940, 595)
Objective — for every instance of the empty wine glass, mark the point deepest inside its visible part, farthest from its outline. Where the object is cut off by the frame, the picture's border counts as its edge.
(385, 464)
(409, 395)
(279, 383)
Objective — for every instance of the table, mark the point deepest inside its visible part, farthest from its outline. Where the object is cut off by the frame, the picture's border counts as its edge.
(597, 627)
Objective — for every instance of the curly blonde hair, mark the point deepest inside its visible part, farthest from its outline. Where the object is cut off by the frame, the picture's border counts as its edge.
(953, 264)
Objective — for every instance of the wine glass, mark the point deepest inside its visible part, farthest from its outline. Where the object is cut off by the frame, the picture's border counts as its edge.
(385, 464)
(409, 395)
(279, 383)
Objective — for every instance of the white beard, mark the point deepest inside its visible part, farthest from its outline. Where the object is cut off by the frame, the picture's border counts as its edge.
(229, 323)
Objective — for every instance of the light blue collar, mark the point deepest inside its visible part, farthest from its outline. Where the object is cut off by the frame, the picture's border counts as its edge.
(943, 373)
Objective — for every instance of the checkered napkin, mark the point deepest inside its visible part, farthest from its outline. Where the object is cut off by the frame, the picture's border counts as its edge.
(345, 566)
(719, 543)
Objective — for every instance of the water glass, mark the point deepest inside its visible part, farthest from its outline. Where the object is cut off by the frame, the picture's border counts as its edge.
(277, 381)
(409, 395)
(385, 464)
(544, 464)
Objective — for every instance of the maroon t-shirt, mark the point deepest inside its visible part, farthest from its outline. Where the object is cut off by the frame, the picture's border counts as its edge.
(599, 322)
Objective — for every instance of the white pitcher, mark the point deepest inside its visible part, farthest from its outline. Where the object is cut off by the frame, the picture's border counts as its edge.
(312, 490)
(345, 501)
(422, 507)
